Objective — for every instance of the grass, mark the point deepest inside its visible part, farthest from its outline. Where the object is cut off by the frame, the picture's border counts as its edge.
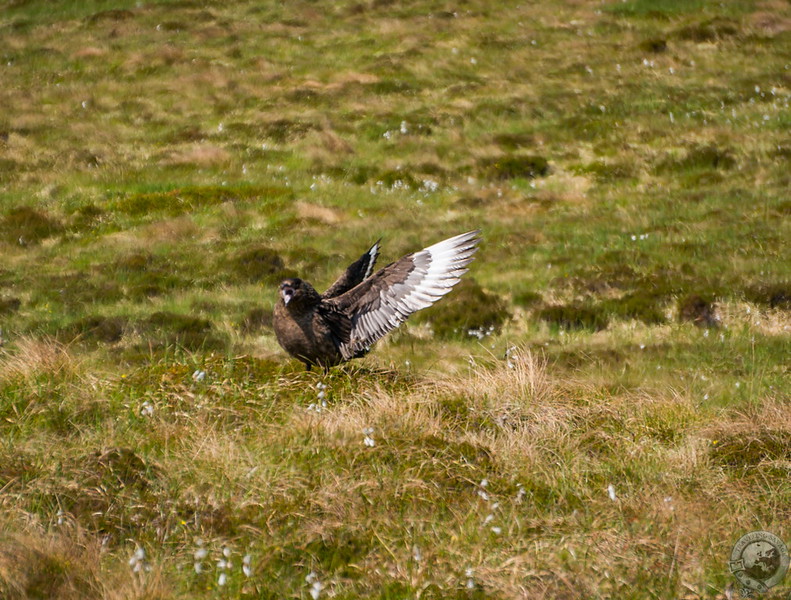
(625, 324)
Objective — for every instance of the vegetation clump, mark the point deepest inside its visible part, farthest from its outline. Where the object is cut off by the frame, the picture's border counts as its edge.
(711, 30)
(259, 264)
(192, 333)
(513, 166)
(94, 328)
(256, 319)
(774, 295)
(9, 305)
(468, 310)
(701, 158)
(190, 198)
(698, 309)
(575, 316)
(743, 450)
(25, 225)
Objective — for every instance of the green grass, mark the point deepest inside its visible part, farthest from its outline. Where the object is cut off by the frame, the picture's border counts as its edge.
(625, 323)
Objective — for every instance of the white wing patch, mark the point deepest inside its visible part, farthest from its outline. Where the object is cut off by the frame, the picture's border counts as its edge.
(435, 270)
(373, 253)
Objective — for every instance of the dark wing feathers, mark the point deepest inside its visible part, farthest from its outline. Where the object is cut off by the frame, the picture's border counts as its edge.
(358, 271)
(383, 301)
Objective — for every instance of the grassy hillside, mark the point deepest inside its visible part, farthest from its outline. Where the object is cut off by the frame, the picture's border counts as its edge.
(600, 410)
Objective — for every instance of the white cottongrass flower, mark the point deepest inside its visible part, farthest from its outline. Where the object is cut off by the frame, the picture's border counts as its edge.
(201, 553)
(368, 440)
(611, 492)
(520, 493)
(416, 554)
(199, 375)
(469, 573)
(137, 562)
(315, 585)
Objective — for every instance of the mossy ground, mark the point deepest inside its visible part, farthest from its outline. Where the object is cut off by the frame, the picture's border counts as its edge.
(625, 323)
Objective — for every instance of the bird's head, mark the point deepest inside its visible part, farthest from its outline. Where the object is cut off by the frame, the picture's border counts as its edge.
(295, 290)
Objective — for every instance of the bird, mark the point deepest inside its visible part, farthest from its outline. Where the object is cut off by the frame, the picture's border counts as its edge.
(343, 323)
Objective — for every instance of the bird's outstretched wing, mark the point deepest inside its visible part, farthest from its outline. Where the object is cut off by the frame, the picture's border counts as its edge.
(384, 301)
(356, 273)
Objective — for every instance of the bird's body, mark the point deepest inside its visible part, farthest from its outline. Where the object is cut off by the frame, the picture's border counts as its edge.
(360, 308)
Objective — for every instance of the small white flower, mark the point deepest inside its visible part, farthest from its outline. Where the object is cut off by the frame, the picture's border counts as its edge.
(220, 127)
(489, 518)
(222, 579)
(199, 375)
(321, 395)
(369, 441)
(497, 530)
(738, 384)
(611, 492)
(201, 553)
(226, 552)
(484, 482)
(483, 495)
(474, 61)
(198, 567)
(310, 577)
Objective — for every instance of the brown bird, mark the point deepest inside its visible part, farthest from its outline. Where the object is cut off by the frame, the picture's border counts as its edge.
(359, 308)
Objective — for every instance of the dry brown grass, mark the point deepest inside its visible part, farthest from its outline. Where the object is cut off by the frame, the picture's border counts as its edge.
(33, 357)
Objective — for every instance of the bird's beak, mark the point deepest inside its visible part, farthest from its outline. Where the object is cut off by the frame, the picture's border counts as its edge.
(286, 294)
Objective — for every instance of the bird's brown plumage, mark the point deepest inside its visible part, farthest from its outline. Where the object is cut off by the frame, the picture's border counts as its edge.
(360, 308)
